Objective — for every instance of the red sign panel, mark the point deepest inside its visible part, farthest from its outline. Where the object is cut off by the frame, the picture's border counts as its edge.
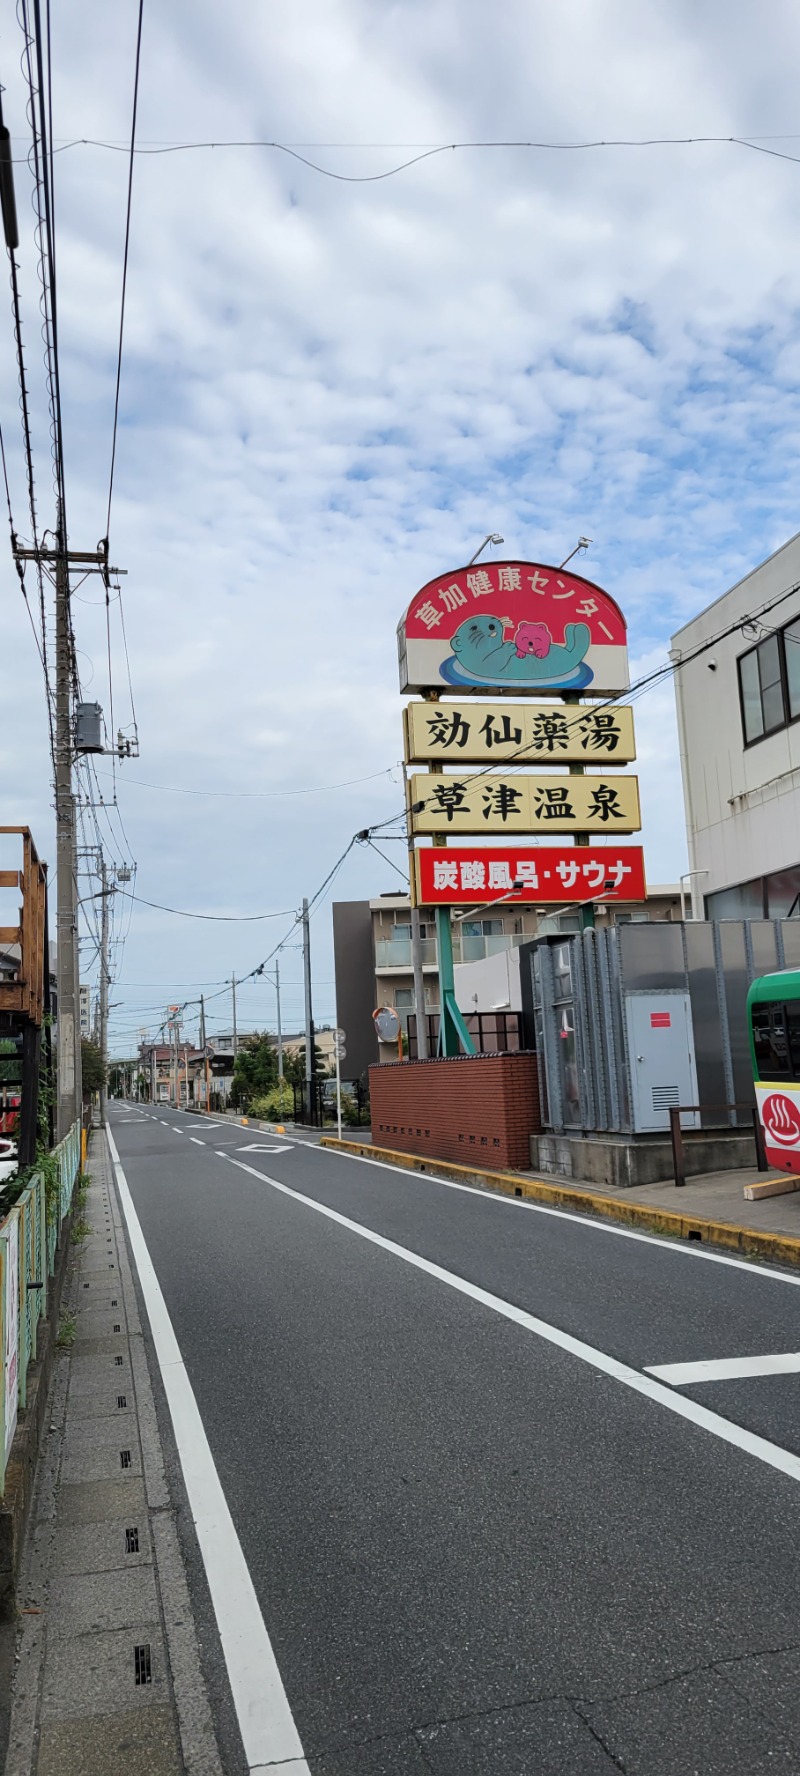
(513, 624)
(549, 874)
(660, 1020)
(780, 1115)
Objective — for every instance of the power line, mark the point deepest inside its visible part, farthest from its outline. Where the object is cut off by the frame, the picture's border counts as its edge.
(755, 144)
(220, 918)
(125, 263)
(257, 795)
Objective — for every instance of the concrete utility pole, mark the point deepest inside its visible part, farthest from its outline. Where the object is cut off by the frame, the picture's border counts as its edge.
(56, 562)
(105, 895)
(309, 1013)
(235, 1037)
(68, 1107)
(203, 1045)
(280, 1036)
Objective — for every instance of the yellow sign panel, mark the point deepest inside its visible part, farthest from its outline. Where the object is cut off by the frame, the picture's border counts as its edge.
(529, 733)
(543, 804)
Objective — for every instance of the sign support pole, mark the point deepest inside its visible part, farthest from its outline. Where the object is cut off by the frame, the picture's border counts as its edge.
(581, 838)
(338, 1092)
(453, 1033)
(416, 940)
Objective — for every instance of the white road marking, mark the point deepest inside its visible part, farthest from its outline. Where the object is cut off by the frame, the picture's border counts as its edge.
(747, 1441)
(255, 1147)
(197, 1141)
(726, 1369)
(265, 1719)
(592, 1224)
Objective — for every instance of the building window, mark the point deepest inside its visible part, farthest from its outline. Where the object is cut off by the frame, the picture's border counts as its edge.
(761, 686)
(791, 650)
(404, 999)
(745, 901)
(769, 684)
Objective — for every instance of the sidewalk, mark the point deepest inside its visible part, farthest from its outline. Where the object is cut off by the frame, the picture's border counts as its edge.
(107, 1674)
(718, 1196)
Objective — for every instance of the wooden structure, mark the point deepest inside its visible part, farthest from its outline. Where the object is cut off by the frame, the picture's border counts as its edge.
(25, 985)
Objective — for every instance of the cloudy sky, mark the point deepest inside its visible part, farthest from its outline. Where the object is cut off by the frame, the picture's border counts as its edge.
(331, 390)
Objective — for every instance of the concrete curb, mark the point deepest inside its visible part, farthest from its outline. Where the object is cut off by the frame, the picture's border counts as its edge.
(750, 1242)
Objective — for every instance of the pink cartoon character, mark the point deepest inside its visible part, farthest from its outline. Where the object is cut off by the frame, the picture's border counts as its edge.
(533, 638)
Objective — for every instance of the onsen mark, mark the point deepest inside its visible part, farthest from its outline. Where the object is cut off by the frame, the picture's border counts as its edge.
(781, 1118)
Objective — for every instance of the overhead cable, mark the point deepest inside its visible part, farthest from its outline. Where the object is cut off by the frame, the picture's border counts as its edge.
(755, 144)
(132, 151)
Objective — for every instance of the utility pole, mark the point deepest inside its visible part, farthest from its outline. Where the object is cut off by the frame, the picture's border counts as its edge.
(207, 1105)
(235, 1037)
(56, 563)
(105, 895)
(280, 1036)
(68, 1106)
(309, 1013)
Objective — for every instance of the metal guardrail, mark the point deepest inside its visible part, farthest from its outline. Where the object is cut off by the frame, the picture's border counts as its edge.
(676, 1135)
(28, 1245)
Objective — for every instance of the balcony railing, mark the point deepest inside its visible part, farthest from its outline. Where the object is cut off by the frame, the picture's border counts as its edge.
(395, 952)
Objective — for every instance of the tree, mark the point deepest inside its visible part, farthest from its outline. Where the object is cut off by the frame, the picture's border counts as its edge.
(92, 1067)
(254, 1071)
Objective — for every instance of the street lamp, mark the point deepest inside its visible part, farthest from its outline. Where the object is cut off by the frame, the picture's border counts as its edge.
(582, 543)
(491, 538)
(607, 892)
(515, 889)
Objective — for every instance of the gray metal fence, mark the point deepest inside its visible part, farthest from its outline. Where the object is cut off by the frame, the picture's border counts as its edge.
(580, 986)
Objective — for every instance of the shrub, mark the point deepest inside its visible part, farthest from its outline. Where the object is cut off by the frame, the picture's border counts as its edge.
(275, 1105)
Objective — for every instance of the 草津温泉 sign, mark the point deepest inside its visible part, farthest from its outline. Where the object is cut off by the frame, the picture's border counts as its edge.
(516, 626)
(480, 733)
(549, 874)
(546, 804)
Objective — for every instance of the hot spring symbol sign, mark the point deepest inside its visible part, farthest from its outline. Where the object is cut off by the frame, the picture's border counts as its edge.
(513, 625)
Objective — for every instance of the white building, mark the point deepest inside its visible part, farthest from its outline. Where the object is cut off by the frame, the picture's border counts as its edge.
(739, 724)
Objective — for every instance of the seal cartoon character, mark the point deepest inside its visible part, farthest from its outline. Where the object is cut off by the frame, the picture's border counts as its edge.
(481, 655)
(533, 638)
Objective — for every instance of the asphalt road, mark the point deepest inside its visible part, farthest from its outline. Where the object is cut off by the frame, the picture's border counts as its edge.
(482, 1540)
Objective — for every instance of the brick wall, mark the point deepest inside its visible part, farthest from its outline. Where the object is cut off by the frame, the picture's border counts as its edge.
(476, 1109)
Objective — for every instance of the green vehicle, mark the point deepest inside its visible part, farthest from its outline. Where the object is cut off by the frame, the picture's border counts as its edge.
(773, 1016)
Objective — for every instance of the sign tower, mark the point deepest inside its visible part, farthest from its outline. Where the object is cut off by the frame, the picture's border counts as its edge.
(506, 631)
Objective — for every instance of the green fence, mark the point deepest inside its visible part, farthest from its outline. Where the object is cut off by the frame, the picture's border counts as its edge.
(28, 1245)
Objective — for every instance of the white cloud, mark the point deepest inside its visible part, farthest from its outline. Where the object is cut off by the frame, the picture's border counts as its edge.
(331, 392)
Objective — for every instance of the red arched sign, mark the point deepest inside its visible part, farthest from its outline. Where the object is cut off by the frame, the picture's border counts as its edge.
(516, 626)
